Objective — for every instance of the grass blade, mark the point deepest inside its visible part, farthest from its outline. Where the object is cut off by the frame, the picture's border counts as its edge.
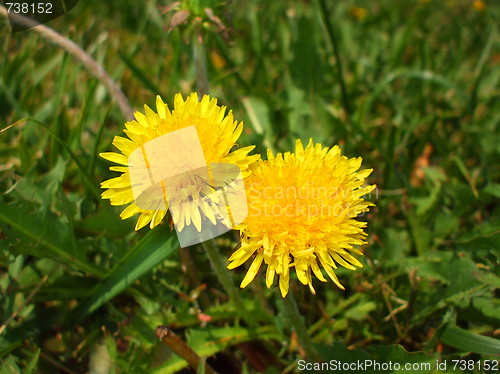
(156, 246)
(86, 177)
(468, 341)
(45, 230)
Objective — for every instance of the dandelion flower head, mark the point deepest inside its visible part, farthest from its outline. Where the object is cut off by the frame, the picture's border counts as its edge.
(302, 211)
(217, 132)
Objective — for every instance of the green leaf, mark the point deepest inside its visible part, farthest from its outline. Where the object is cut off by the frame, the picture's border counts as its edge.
(8, 345)
(483, 310)
(395, 353)
(106, 220)
(487, 278)
(425, 204)
(33, 362)
(338, 351)
(422, 236)
(492, 189)
(43, 190)
(258, 114)
(361, 311)
(396, 246)
(467, 341)
(365, 361)
(83, 171)
(481, 243)
(25, 224)
(155, 247)
(457, 272)
(9, 366)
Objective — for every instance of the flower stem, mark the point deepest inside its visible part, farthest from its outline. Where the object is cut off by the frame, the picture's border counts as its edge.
(297, 322)
(336, 51)
(200, 60)
(182, 349)
(222, 273)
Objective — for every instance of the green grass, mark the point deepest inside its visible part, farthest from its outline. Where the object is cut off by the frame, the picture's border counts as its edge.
(421, 105)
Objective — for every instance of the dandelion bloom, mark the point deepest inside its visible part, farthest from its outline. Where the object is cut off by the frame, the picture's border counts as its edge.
(301, 213)
(217, 133)
(479, 5)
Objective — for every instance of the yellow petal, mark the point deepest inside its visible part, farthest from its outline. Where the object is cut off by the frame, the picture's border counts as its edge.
(204, 105)
(239, 252)
(179, 102)
(363, 174)
(334, 151)
(299, 149)
(252, 271)
(136, 138)
(311, 288)
(270, 276)
(195, 216)
(126, 146)
(332, 276)
(240, 259)
(144, 219)
(187, 213)
(284, 283)
(129, 211)
(237, 132)
(157, 218)
(182, 220)
(209, 213)
(135, 128)
(151, 116)
(301, 270)
(341, 261)
(268, 247)
(121, 169)
(142, 119)
(115, 157)
(326, 259)
(118, 182)
(270, 155)
(317, 271)
(352, 260)
(118, 196)
(357, 251)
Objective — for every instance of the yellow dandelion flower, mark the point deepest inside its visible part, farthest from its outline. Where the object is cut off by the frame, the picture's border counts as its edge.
(479, 5)
(217, 133)
(358, 12)
(301, 213)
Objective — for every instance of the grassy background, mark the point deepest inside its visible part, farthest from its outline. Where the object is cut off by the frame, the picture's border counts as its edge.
(79, 287)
